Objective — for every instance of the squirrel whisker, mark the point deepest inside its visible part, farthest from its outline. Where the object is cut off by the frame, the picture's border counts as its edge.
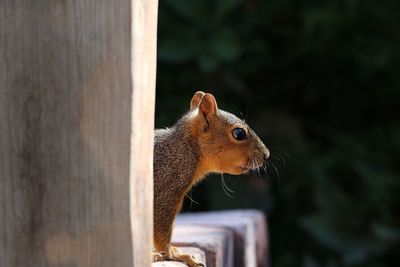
(189, 196)
(225, 187)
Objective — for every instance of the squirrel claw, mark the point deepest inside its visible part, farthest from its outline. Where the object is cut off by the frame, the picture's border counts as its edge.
(198, 264)
(157, 256)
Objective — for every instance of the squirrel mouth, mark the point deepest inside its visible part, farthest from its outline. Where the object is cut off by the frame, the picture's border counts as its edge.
(245, 169)
(250, 165)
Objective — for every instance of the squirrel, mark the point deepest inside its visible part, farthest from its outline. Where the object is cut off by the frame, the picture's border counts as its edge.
(205, 140)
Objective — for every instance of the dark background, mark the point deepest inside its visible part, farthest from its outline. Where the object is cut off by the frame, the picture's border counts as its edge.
(319, 82)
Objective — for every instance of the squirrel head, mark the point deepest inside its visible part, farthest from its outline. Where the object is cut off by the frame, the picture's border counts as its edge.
(227, 144)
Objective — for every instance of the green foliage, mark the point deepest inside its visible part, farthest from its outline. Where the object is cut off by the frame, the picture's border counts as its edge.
(317, 79)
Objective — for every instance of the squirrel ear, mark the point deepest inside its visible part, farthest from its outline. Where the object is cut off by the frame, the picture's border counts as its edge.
(196, 99)
(208, 104)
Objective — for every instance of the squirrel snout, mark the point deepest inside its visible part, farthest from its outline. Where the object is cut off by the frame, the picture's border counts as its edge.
(266, 153)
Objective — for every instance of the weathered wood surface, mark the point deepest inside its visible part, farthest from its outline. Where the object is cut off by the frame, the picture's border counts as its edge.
(249, 228)
(228, 238)
(144, 53)
(216, 242)
(76, 100)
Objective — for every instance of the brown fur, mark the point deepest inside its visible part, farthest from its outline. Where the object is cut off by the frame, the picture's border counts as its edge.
(201, 142)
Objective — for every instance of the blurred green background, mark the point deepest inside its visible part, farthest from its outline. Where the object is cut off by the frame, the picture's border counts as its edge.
(319, 82)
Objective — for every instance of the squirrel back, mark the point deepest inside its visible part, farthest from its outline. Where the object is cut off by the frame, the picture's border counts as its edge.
(176, 156)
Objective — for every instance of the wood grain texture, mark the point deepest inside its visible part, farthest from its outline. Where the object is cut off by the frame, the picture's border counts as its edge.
(76, 127)
(144, 54)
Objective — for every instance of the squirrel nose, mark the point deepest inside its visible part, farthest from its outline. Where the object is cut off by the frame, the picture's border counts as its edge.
(266, 154)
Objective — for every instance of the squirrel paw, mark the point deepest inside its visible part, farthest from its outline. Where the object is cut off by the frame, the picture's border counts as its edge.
(157, 256)
(189, 260)
(175, 254)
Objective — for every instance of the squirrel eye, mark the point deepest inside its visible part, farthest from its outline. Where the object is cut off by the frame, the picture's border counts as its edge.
(239, 134)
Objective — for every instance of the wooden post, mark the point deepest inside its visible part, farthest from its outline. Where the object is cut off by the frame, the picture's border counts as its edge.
(76, 132)
(144, 45)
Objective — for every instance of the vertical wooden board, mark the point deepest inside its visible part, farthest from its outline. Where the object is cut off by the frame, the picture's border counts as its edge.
(144, 53)
(65, 129)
